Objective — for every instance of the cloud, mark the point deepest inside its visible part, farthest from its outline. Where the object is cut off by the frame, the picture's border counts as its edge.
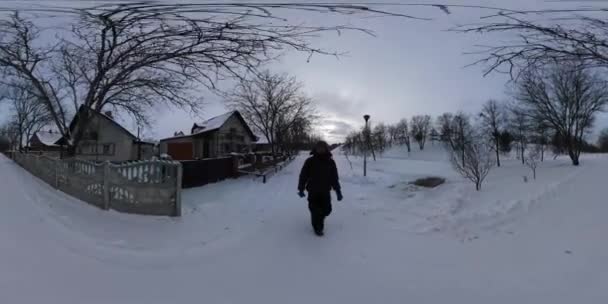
(339, 114)
(334, 105)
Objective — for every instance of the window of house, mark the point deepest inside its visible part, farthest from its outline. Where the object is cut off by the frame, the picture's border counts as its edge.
(88, 149)
(108, 149)
(227, 148)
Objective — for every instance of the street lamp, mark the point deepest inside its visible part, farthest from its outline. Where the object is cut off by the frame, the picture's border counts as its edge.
(366, 117)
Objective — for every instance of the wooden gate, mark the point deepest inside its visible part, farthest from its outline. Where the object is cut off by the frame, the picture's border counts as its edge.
(180, 151)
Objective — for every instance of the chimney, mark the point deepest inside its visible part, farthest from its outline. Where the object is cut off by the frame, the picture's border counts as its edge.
(109, 114)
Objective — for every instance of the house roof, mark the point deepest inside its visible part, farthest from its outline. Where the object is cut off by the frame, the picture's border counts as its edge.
(211, 124)
(176, 137)
(106, 117)
(261, 140)
(144, 142)
(217, 122)
(48, 138)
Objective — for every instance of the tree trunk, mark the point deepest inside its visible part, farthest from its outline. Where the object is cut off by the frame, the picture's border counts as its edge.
(574, 157)
(20, 142)
(463, 156)
(523, 160)
(497, 154)
(542, 153)
(572, 150)
(477, 186)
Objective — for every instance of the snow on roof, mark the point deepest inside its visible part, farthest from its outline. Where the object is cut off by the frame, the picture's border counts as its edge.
(212, 123)
(48, 138)
(261, 140)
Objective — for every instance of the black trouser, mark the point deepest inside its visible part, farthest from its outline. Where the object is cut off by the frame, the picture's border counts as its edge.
(319, 205)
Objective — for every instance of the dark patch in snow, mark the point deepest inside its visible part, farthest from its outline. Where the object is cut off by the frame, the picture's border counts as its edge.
(568, 252)
(429, 182)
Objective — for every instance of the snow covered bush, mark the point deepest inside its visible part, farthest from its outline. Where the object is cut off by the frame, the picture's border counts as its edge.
(473, 161)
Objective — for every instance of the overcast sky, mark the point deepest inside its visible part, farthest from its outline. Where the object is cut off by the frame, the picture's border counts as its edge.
(411, 67)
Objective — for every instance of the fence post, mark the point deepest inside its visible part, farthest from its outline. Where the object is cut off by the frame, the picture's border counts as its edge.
(178, 191)
(106, 185)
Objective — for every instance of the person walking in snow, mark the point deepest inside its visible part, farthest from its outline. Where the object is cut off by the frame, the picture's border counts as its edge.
(319, 176)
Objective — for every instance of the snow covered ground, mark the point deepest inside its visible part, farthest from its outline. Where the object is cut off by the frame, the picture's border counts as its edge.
(241, 241)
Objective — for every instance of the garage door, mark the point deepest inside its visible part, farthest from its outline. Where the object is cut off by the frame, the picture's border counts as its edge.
(180, 151)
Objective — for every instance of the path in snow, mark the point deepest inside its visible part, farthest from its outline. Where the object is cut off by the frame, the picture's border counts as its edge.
(227, 249)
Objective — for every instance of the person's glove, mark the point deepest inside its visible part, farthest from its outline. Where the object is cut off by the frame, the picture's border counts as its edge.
(339, 194)
(301, 194)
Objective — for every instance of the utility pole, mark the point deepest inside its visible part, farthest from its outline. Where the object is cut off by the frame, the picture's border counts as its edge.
(366, 117)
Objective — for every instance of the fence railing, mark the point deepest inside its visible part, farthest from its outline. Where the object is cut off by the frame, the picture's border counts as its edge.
(142, 187)
(267, 168)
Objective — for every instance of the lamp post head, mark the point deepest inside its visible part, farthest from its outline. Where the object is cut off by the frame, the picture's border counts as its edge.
(366, 117)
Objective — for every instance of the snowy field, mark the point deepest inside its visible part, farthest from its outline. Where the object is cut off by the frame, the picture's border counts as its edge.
(241, 241)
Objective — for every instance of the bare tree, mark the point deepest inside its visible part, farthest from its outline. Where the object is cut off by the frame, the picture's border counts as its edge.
(540, 137)
(434, 135)
(567, 98)
(272, 104)
(445, 126)
(421, 125)
(300, 136)
(9, 133)
(379, 138)
(476, 162)
(28, 115)
(393, 133)
(492, 121)
(403, 134)
(134, 56)
(534, 156)
(560, 36)
(519, 123)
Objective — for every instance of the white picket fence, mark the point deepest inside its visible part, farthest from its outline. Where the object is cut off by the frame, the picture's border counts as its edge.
(141, 187)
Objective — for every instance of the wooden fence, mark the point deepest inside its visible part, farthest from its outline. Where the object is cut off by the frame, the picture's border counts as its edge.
(142, 187)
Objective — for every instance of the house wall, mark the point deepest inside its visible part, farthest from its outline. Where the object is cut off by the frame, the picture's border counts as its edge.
(112, 143)
(232, 137)
(142, 151)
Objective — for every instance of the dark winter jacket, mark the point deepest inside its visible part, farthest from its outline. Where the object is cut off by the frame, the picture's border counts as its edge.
(319, 174)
